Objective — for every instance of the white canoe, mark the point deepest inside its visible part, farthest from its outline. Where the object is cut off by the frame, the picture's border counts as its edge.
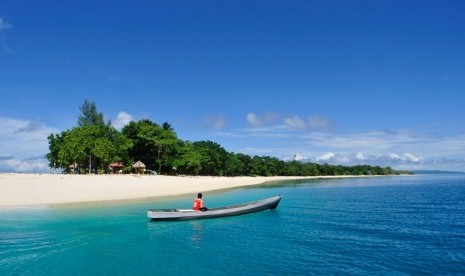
(234, 210)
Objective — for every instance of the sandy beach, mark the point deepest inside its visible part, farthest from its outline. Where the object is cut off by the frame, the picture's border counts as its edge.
(46, 189)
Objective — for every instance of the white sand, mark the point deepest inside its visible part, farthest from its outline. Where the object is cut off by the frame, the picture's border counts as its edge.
(45, 189)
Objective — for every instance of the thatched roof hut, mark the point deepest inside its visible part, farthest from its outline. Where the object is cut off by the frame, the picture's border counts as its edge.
(138, 166)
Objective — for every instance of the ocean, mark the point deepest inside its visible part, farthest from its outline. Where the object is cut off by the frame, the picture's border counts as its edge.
(398, 225)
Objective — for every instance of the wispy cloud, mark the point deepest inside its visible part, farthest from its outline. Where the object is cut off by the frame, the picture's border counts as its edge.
(291, 122)
(23, 145)
(295, 122)
(320, 122)
(325, 157)
(266, 119)
(31, 165)
(4, 25)
(401, 149)
(311, 123)
(216, 122)
(30, 127)
(359, 142)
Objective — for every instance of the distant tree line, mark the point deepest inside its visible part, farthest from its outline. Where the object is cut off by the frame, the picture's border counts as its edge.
(93, 145)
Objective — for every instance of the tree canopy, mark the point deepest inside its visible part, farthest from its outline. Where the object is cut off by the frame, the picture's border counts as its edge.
(92, 146)
(90, 116)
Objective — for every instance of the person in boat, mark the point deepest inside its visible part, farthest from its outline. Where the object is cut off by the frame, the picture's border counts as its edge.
(198, 203)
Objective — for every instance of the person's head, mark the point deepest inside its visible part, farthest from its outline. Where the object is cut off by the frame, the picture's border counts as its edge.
(199, 195)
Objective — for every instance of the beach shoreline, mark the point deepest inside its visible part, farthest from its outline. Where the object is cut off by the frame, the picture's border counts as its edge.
(19, 190)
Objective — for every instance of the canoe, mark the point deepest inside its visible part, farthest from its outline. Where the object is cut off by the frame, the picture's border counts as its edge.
(234, 210)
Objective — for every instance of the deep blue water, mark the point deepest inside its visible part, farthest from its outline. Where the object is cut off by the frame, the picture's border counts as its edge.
(384, 225)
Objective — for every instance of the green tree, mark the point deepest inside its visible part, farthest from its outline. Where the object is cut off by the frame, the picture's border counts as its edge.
(92, 147)
(143, 135)
(213, 157)
(246, 164)
(188, 160)
(90, 116)
(166, 142)
(55, 143)
(153, 144)
(234, 165)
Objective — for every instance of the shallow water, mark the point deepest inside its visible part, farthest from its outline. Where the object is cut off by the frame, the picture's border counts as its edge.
(385, 225)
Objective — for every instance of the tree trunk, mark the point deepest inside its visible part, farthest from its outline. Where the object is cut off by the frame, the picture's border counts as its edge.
(159, 161)
(90, 163)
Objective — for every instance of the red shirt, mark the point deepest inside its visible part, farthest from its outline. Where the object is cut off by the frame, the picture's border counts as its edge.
(198, 203)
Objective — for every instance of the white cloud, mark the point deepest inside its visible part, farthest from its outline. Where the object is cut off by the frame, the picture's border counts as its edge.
(215, 122)
(360, 156)
(373, 141)
(404, 157)
(122, 119)
(398, 149)
(256, 121)
(403, 160)
(253, 119)
(394, 156)
(325, 157)
(34, 165)
(410, 157)
(23, 145)
(295, 122)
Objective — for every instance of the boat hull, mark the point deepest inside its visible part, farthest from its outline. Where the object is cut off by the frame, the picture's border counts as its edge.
(235, 210)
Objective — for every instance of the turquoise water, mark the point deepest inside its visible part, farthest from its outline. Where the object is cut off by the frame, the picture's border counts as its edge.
(386, 225)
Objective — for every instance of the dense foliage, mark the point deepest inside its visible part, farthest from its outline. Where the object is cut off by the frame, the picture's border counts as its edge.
(93, 145)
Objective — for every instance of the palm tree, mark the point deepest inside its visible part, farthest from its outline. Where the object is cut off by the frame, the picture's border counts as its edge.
(166, 138)
(167, 126)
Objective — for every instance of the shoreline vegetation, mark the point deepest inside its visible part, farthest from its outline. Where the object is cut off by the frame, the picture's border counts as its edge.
(144, 160)
(95, 146)
(22, 190)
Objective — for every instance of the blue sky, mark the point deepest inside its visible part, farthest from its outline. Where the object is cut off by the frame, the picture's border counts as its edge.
(339, 82)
